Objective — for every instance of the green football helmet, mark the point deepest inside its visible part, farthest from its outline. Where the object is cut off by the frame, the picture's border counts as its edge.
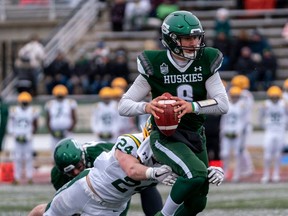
(68, 154)
(182, 24)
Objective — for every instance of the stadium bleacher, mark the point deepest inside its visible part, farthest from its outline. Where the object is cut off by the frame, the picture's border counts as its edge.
(268, 22)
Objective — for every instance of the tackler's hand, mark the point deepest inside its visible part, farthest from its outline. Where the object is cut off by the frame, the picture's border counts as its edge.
(162, 174)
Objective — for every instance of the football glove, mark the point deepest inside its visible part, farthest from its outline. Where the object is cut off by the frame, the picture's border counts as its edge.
(215, 175)
(162, 174)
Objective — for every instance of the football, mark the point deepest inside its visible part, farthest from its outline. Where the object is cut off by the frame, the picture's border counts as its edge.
(168, 121)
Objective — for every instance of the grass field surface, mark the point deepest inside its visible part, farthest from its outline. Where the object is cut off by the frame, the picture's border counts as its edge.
(229, 199)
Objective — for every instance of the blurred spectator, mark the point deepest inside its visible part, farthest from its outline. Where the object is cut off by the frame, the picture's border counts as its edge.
(154, 4)
(101, 49)
(165, 8)
(22, 125)
(117, 15)
(136, 14)
(224, 44)
(246, 66)
(258, 43)
(58, 72)
(29, 64)
(100, 75)
(61, 115)
(120, 67)
(269, 65)
(241, 40)
(82, 71)
(222, 22)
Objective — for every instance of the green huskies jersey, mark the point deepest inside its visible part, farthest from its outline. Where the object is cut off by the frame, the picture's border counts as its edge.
(92, 151)
(188, 83)
(4, 112)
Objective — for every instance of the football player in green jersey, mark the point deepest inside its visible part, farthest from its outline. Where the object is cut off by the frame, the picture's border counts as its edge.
(4, 113)
(188, 70)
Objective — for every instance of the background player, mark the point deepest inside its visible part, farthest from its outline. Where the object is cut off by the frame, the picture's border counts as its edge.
(61, 116)
(241, 81)
(273, 118)
(231, 131)
(22, 125)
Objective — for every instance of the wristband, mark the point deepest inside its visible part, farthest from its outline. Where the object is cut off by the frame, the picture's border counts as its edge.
(195, 107)
(149, 172)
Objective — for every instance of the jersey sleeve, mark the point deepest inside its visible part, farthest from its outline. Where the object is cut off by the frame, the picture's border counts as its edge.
(128, 144)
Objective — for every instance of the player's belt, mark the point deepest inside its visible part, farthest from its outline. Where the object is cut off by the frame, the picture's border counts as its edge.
(100, 200)
(90, 185)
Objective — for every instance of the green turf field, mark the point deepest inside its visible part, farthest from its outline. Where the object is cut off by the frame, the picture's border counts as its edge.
(230, 199)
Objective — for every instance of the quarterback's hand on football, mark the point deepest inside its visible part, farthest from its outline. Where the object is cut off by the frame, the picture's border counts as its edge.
(162, 174)
(215, 175)
(181, 106)
(153, 106)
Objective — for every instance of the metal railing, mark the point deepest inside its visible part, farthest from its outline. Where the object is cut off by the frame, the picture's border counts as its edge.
(29, 10)
(73, 30)
(64, 38)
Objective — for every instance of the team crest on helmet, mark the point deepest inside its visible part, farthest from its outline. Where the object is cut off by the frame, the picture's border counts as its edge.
(164, 69)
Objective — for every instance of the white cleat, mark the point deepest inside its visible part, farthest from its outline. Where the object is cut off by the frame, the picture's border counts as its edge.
(264, 180)
(276, 179)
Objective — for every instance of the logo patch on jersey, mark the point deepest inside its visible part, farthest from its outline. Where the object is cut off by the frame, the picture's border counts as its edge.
(197, 68)
(164, 69)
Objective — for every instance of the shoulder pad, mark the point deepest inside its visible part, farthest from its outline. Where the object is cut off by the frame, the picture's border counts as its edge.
(215, 57)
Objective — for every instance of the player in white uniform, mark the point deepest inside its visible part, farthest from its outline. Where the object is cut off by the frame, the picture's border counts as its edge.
(106, 188)
(105, 117)
(22, 125)
(231, 130)
(60, 115)
(247, 167)
(119, 86)
(285, 90)
(273, 117)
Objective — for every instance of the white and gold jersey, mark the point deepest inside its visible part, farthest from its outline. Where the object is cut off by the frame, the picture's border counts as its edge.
(21, 121)
(233, 122)
(274, 115)
(60, 113)
(109, 180)
(105, 121)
